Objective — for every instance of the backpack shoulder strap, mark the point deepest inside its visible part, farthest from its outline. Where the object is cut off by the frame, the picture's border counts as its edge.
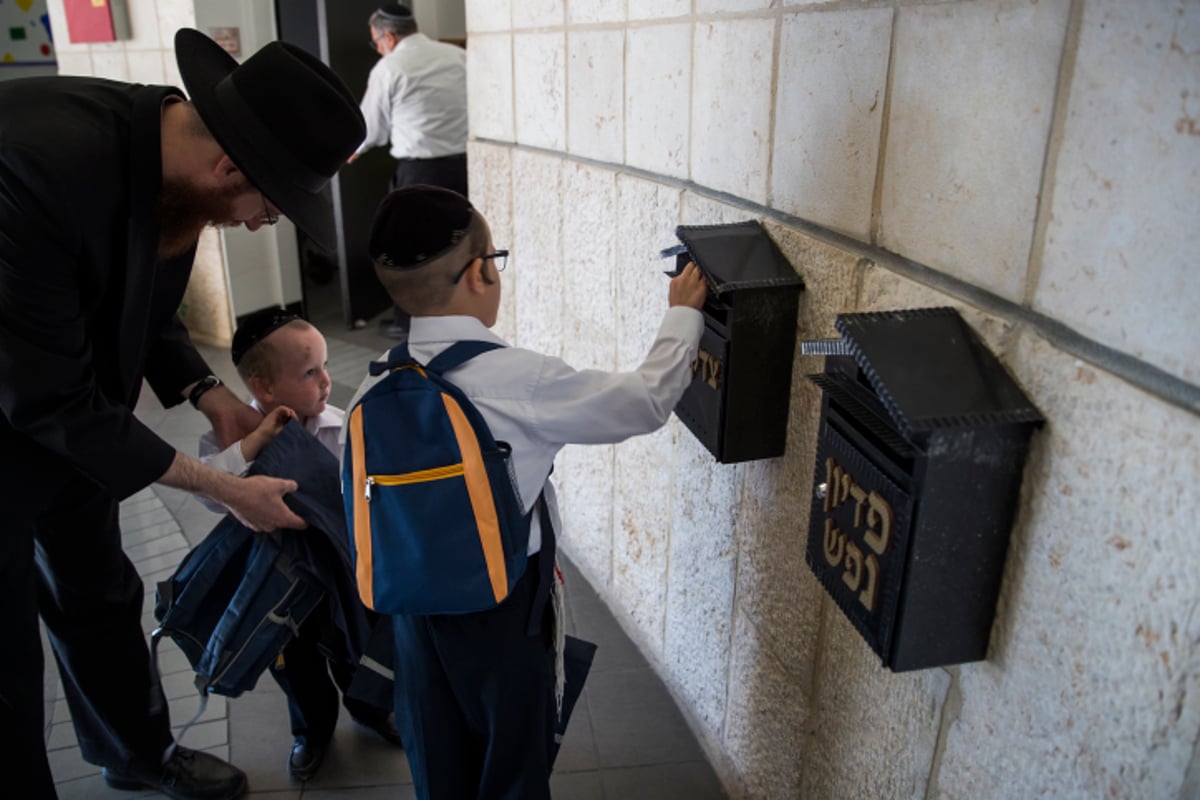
(458, 354)
(398, 356)
(453, 356)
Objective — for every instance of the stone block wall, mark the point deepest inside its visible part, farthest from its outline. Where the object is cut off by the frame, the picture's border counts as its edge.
(1034, 165)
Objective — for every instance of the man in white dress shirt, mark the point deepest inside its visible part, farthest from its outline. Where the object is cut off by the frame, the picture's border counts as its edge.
(416, 99)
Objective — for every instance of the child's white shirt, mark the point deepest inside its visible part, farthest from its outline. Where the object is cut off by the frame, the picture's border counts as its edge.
(538, 403)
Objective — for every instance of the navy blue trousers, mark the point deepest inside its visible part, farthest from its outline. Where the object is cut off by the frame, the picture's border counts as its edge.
(475, 700)
(311, 680)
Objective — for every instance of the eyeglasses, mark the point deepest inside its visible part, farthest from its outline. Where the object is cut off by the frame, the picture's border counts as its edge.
(500, 257)
(375, 43)
(269, 217)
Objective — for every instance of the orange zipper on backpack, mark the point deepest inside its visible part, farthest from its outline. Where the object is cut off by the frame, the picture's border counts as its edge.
(420, 476)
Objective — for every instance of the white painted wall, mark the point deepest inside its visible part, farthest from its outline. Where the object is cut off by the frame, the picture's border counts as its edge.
(1038, 166)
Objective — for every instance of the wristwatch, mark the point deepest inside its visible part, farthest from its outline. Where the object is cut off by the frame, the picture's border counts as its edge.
(202, 386)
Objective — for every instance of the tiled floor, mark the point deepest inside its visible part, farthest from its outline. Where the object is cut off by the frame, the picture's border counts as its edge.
(627, 739)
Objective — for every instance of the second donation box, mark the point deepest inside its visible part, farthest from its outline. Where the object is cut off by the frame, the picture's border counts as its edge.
(919, 461)
(737, 402)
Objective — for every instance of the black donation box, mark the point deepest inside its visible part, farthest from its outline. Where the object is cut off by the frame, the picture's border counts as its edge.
(920, 452)
(737, 403)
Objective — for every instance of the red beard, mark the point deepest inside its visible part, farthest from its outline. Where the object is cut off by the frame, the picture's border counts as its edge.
(185, 210)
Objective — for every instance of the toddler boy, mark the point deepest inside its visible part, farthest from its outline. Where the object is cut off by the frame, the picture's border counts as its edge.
(281, 359)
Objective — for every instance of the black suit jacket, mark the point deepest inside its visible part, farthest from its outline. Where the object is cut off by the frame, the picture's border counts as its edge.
(86, 309)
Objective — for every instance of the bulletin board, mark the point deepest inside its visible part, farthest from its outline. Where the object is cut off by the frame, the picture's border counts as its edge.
(25, 38)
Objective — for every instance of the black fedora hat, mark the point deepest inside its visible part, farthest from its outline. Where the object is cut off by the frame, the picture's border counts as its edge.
(284, 117)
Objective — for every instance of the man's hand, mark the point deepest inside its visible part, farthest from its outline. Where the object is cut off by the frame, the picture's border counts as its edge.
(232, 420)
(688, 288)
(259, 505)
(268, 429)
(256, 501)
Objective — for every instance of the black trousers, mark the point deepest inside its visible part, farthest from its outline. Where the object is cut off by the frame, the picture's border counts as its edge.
(475, 700)
(449, 172)
(61, 556)
(312, 680)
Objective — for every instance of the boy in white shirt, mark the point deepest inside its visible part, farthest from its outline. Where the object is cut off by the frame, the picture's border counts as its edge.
(476, 690)
(282, 360)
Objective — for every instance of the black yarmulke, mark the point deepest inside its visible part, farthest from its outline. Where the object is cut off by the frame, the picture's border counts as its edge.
(395, 11)
(416, 224)
(256, 327)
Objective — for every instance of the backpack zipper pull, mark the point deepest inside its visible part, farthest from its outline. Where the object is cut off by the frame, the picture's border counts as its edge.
(370, 483)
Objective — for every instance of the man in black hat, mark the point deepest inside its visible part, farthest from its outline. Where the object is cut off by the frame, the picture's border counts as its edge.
(105, 188)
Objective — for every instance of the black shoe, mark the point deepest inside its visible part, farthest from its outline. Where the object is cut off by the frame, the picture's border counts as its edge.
(186, 775)
(384, 725)
(305, 760)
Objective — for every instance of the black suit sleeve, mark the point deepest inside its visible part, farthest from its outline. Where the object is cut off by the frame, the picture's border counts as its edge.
(172, 362)
(49, 387)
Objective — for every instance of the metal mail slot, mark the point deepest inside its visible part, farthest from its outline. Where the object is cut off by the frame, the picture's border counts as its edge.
(737, 402)
(919, 460)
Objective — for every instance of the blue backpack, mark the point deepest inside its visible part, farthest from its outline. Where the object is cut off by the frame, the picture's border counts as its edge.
(239, 597)
(432, 507)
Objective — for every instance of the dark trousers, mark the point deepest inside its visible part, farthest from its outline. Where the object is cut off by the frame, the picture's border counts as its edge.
(449, 172)
(475, 700)
(311, 680)
(60, 555)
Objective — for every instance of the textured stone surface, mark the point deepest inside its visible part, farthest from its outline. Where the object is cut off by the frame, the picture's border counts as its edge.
(537, 13)
(1092, 678)
(587, 12)
(705, 499)
(1119, 257)
(731, 106)
(718, 6)
(488, 15)
(832, 277)
(646, 224)
(657, 98)
(963, 166)
(490, 87)
(873, 731)
(490, 180)
(595, 69)
(583, 478)
(828, 114)
(537, 251)
(540, 87)
(657, 9)
(766, 730)
(701, 210)
(886, 291)
(776, 591)
(589, 229)
(642, 503)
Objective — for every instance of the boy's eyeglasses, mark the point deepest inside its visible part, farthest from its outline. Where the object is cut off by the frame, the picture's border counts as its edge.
(500, 257)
